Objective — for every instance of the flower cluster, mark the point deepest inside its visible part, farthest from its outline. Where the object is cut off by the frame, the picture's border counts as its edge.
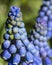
(42, 32)
(17, 49)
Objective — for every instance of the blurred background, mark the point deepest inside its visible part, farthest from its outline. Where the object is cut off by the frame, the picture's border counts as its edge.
(29, 9)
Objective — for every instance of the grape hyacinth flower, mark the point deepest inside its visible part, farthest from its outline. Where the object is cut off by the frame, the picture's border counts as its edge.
(42, 32)
(17, 49)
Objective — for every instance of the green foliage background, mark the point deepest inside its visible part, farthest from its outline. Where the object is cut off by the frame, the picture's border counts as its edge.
(29, 10)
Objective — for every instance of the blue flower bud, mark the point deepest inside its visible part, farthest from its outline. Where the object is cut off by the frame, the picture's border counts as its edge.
(23, 37)
(49, 52)
(43, 52)
(49, 12)
(22, 30)
(26, 42)
(6, 36)
(45, 18)
(15, 29)
(30, 47)
(38, 19)
(22, 51)
(47, 61)
(38, 61)
(41, 13)
(19, 44)
(12, 49)
(6, 44)
(6, 55)
(17, 36)
(29, 57)
(16, 59)
(45, 8)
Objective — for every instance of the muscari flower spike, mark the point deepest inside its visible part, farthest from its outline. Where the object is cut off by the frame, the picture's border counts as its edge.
(17, 49)
(42, 32)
